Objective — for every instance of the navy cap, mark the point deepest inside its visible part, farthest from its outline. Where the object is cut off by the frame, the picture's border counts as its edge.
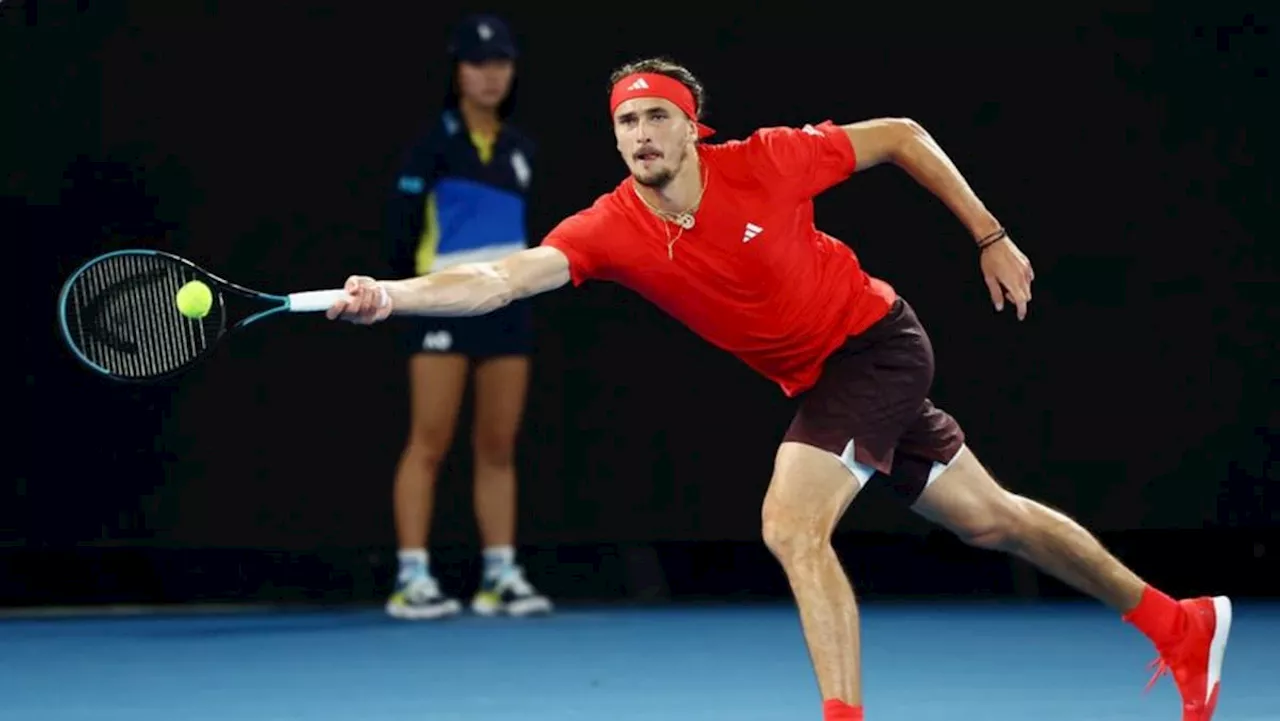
(482, 37)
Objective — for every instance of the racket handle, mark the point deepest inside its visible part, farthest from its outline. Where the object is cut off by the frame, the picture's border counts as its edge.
(314, 301)
(318, 301)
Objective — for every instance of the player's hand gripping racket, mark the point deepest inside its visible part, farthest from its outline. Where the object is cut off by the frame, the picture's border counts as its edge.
(144, 315)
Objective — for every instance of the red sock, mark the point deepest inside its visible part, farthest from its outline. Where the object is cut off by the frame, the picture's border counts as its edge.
(1161, 618)
(833, 710)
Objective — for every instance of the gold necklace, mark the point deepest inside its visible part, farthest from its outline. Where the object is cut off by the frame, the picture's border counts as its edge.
(684, 219)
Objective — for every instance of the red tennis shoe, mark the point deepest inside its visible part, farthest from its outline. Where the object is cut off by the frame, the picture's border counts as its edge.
(1195, 659)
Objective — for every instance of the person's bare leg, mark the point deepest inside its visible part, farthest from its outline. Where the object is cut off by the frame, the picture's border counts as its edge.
(501, 387)
(437, 384)
(966, 500)
(1190, 636)
(809, 492)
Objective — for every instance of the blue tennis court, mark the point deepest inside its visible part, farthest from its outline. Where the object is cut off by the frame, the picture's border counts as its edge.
(747, 663)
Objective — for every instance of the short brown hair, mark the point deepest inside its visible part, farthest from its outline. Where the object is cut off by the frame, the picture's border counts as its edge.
(670, 68)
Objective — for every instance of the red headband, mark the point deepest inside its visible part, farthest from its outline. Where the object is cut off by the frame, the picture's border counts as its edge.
(655, 85)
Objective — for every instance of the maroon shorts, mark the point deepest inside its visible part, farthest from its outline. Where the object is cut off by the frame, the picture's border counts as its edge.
(871, 407)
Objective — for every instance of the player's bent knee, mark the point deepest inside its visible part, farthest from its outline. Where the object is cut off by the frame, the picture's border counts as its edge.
(793, 544)
(969, 502)
(791, 536)
(1001, 524)
(809, 492)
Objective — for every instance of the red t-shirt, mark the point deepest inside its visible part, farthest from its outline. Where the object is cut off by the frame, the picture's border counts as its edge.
(753, 276)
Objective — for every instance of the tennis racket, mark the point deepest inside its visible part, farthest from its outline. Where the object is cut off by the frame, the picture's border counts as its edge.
(119, 315)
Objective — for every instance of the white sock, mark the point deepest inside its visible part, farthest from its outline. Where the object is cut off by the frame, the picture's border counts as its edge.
(414, 562)
(497, 559)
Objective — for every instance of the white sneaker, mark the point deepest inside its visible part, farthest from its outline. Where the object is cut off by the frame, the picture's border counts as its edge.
(419, 599)
(509, 593)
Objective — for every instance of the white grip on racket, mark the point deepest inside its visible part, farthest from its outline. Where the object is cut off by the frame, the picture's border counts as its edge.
(317, 301)
(313, 301)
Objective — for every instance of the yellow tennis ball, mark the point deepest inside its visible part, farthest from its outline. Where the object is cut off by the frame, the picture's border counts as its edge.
(194, 299)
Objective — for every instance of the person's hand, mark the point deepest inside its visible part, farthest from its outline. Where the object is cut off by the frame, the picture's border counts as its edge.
(1008, 275)
(367, 302)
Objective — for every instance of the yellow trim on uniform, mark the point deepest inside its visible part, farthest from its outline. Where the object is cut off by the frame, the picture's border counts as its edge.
(430, 239)
(484, 145)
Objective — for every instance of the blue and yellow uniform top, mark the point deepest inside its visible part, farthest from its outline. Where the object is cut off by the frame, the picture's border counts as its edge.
(460, 198)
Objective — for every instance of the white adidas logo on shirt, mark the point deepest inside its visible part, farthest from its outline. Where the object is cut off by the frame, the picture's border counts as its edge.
(752, 231)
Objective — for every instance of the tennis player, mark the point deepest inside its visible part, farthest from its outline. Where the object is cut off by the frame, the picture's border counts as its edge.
(722, 237)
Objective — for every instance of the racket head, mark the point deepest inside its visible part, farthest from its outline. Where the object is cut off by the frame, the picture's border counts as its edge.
(118, 314)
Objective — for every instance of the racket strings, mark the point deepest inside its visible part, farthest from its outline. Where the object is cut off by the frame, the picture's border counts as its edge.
(123, 316)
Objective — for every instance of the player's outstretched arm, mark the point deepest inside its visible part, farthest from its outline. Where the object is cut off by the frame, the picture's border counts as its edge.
(464, 290)
(909, 146)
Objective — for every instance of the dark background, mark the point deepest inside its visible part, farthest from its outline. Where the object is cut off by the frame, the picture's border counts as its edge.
(1128, 151)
